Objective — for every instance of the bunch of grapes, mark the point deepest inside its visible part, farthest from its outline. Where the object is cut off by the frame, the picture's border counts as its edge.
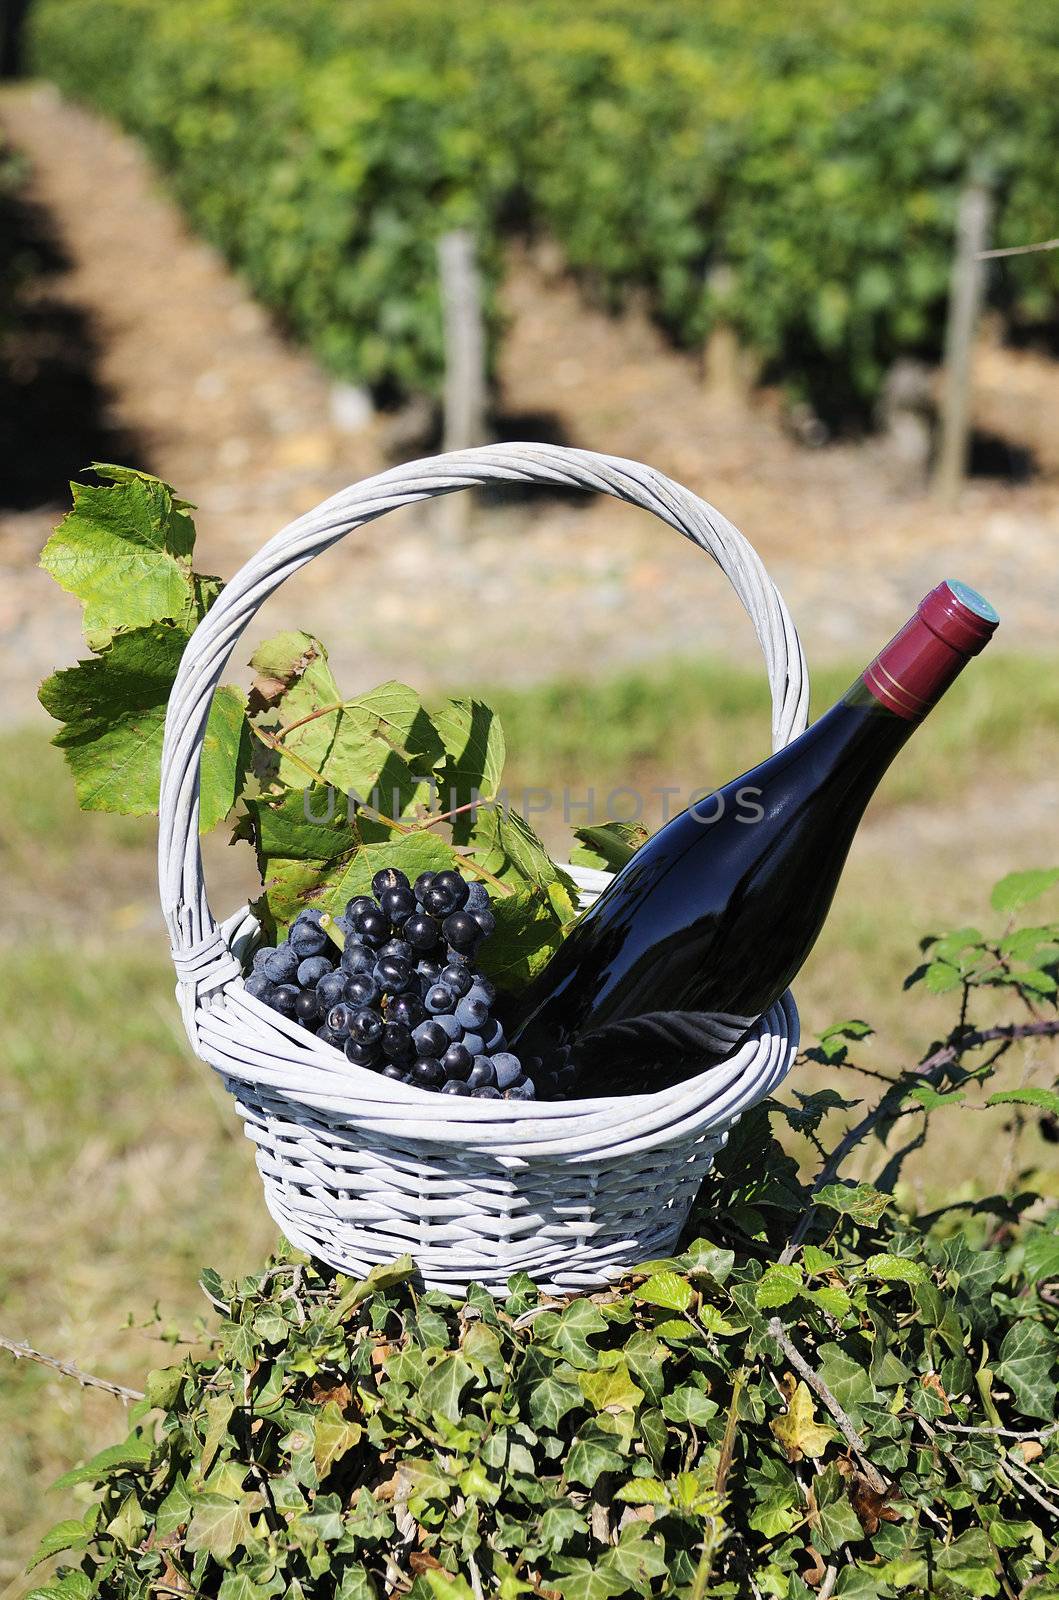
(393, 983)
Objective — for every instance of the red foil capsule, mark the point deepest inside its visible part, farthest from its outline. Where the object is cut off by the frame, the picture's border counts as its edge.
(952, 623)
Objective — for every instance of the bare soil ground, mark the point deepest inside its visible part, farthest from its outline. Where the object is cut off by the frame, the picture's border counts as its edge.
(190, 378)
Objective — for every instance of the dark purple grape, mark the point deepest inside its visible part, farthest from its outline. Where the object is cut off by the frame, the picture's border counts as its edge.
(485, 920)
(457, 978)
(454, 1086)
(421, 931)
(281, 965)
(397, 1042)
(494, 1041)
(487, 1092)
(460, 958)
(307, 939)
(324, 1034)
(422, 884)
(340, 1019)
(477, 897)
(331, 989)
(396, 950)
(437, 902)
(455, 886)
(482, 989)
(427, 1072)
(398, 905)
(393, 975)
(522, 1090)
(361, 990)
(429, 972)
(307, 1007)
(258, 985)
(359, 902)
(461, 931)
(362, 1053)
(474, 1042)
(312, 969)
(430, 1039)
(508, 1068)
(261, 955)
(407, 1008)
(481, 1073)
(356, 957)
(373, 926)
(366, 1026)
(446, 1020)
(395, 1073)
(457, 1061)
(439, 998)
(284, 998)
(388, 878)
(472, 1014)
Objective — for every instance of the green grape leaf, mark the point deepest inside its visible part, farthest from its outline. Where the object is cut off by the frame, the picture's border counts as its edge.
(608, 845)
(475, 751)
(125, 552)
(113, 713)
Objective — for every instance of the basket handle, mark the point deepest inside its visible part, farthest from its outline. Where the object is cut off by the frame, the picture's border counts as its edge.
(193, 932)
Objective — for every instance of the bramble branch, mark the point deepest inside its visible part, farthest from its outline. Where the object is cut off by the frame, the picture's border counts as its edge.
(842, 1417)
(25, 1352)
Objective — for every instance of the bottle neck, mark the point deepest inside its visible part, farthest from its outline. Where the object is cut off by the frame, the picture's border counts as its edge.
(912, 672)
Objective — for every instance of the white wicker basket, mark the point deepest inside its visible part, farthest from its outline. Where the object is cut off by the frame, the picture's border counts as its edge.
(358, 1169)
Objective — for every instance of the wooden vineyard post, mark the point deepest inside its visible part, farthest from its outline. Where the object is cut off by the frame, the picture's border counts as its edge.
(465, 397)
(965, 299)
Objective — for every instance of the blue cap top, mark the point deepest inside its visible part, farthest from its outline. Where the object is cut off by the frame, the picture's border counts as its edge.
(972, 600)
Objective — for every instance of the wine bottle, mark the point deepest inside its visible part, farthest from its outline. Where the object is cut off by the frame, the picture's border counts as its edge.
(708, 923)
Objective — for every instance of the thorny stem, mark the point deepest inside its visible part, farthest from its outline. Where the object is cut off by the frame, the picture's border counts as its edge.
(815, 1382)
(927, 1070)
(23, 1352)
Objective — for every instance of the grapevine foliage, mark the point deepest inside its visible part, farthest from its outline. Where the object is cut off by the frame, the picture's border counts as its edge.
(327, 789)
(816, 152)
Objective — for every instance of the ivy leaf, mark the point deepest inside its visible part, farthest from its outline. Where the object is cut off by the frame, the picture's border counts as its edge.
(219, 1410)
(125, 552)
(611, 1388)
(444, 1385)
(1040, 1257)
(570, 1330)
(550, 1400)
(220, 1525)
(333, 1437)
(1019, 889)
(591, 1455)
(1025, 1362)
(798, 1430)
(113, 713)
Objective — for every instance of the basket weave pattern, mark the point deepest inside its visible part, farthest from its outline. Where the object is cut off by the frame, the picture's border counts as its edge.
(358, 1169)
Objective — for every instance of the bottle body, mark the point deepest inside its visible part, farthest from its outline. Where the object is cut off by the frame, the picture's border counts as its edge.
(709, 922)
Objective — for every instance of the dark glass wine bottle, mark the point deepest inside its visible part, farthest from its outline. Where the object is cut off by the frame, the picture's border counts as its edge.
(711, 919)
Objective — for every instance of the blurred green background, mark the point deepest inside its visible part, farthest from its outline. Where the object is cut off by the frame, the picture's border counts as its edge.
(715, 238)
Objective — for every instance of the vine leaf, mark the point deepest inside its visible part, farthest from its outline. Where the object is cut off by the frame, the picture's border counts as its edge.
(125, 552)
(113, 708)
(608, 845)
